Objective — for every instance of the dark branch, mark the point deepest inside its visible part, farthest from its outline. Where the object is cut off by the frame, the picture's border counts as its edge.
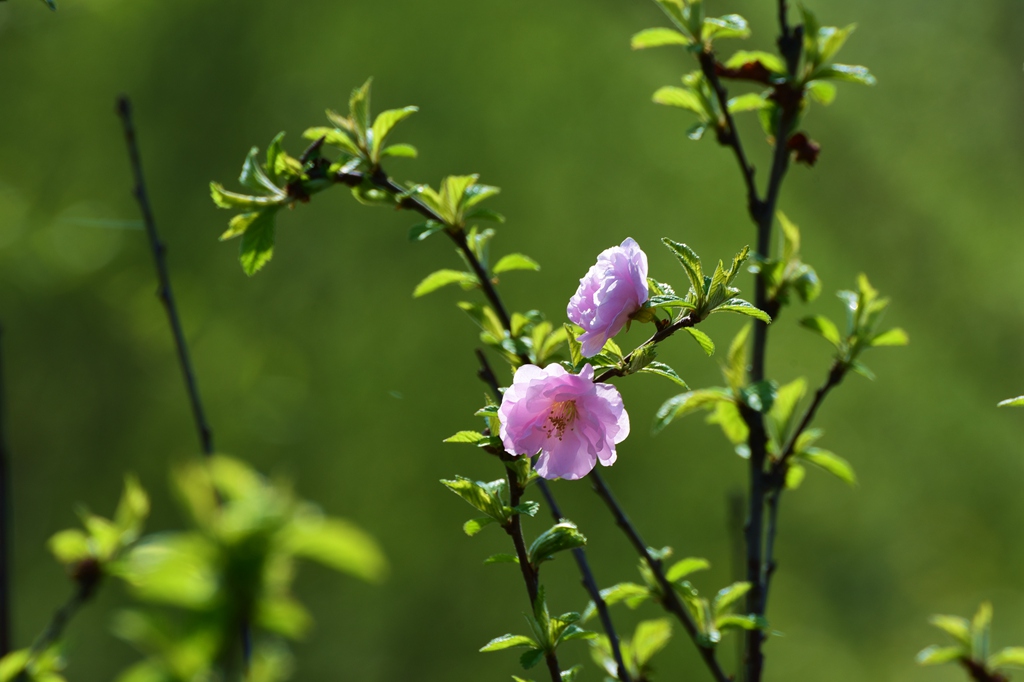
(660, 335)
(6, 510)
(124, 110)
(669, 599)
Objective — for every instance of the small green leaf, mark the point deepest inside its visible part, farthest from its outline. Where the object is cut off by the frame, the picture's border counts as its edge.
(663, 370)
(770, 61)
(1011, 402)
(631, 593)
(824, 327)
(570, 674)
(337, 544)
(729, 26)
(846, 72)
(822, 91)
(705, 342)
(399, 151)
(738, 305)
(656, 37)
(685, 403)
(515, 261)
(727, 596)
(474, 526)
(465, 437)
(959, 628)
(795, 476)
(70, 546)
(752, 101)
(424, 230)
(980, 626)
(13, 663)
(673, 96)
(560, 537)
(1011, 655)
(650, 637)
(383, 124)
(359, 108)
(691, 264)
(783, 410)
(575, 347)
(531, 658)
(258, 241)
(935, 655)
(892, 337)
(335, 138)
(759, 396)
(483, 214)
(831, 39)
(685, 567)
(507, 642)
(225, 199)
(830, 462)
(441, 278)
(732, 622)
(502, 559)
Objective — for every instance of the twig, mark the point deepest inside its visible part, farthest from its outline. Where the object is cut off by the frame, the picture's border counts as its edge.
(486, 375)
(660, 335)
(166, 295)
(6, 509)
(670, 600)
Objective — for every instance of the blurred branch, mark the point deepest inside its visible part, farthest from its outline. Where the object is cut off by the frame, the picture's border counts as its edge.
(6, 509)
(165, 293)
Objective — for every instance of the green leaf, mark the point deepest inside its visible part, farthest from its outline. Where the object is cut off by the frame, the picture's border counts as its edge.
(514, 261)
(823, 327)
(846, 72)
(132, 510)
(13, 663)
(485, 497)
(892, 337)
(383, 124)
(1011, 655)
(727, 596)
(685, 567)
(685, 403)
(70, 546)
(560, 537)
(531, 658)
(673, 96)
(359, 108)
(508, 642)
(727, 416)
(752, 101)
(475, 193)
(691, 264)
(173, 568)
(830, 462)
(959, 628)
(257, 241)
(529, 508)
(980, 626)
(399, 151)
(575, 347)
(337, 544)
(738, 305)
(283, 615)
(795, 476)
(225, 199)
(656, 37)
(759, 396)
(1011, 402)
(474, 526)
(335, 138)
(732, 622)
(441, 278)
(935, 655)
(423, 230)
(465, 437)
(729, 26)
(631, 593)
(770, 61)
(502, 559)
(570, 674)
(483, 214)
(705, 342)
(831, 39)
(650, 637)
(821, 91)
(255, 178)
(662, 370)
(780, 417)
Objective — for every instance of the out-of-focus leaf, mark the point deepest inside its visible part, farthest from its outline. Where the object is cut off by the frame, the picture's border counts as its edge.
(935, 655)
(685, 567)
(1011, 402)
(656, 37)
(441, 278)
(673, 96)
(830, 462)
(515, 261)
(650, 637)
(846, 72)
(1010, 656)
(337, 544)
(507, 642)
(685, 403)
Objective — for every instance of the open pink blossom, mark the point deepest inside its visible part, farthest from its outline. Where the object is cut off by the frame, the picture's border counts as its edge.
(573, 422)
(613, 289)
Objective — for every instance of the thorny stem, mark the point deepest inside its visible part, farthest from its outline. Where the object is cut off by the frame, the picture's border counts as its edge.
(165, 293)
(579, 554)
(6, 508)
(669, 599)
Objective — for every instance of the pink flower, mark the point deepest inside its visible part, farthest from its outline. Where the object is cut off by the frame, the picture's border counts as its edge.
(613, 289)
(570, 420)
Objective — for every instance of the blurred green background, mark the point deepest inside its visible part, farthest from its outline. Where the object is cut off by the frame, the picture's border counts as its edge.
(323, 368)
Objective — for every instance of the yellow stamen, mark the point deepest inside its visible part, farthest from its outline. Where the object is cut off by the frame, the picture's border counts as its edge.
(560, 417)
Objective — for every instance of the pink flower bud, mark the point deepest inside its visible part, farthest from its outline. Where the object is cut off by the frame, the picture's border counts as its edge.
(613, 289)
(573, 422)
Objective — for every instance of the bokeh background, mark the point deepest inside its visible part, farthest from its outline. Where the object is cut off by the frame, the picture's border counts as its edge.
(324, 368)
